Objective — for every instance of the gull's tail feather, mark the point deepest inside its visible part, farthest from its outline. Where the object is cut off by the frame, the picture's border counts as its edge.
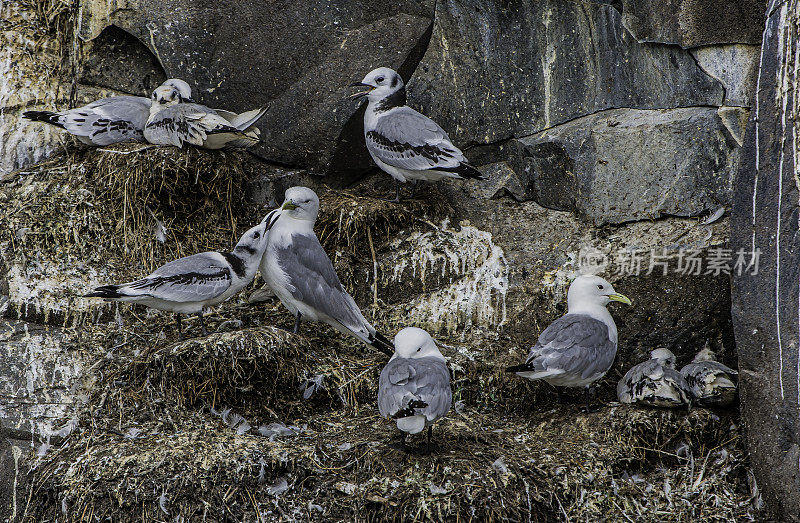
(464, 170)
(519, 368)
(409, 409)
(245, 120)
(44, 116)
(108, 292)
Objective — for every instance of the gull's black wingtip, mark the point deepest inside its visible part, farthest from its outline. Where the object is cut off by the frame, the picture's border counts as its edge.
(383, 344)
(43, 116)
(108, 292)
(518, 368)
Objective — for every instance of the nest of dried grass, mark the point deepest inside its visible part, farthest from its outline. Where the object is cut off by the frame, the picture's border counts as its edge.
(358, 225)
(112, 207)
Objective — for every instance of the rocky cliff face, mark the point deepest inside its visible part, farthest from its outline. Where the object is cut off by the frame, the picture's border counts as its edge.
(765, 302)
(610, 133)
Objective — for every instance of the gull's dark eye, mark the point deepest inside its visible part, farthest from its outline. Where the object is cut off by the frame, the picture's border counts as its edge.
(256, 235)
(419, 349)
(600, 287)
(379, 79)
(307, 201)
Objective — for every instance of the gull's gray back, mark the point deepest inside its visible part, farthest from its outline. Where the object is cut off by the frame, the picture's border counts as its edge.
(403, 380)
(199, 277)
(410, 140)
(313, 280)
(575, 343)
(183, 123)
(110, 120)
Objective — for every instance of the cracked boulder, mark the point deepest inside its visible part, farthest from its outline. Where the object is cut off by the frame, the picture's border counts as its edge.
(495, 71)
(624, 165)
(298, 59)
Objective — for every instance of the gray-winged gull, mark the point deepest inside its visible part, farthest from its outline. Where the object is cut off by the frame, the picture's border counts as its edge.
(173, 123)
(655, 382)
(712, 384)
(403, 142)
(414, 387)
(110, 120)
(297, 269)
(578, 348)
(190, 284)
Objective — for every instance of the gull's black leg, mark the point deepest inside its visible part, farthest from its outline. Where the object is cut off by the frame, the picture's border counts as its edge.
(296, 323)
(202, 323)
(587, 395)
(178, 321)
(430, 430)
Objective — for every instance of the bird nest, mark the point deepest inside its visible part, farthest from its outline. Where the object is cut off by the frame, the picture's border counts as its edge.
(219, 427)
(358, 225)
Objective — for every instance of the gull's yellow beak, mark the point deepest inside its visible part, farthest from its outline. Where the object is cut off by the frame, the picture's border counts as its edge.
(620, 298)
(290, 206)
(362, 93)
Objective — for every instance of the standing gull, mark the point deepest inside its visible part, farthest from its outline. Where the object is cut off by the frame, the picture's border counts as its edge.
(578, 348)
(414, 387)
(190, 284)
(173, 123)
(712, 384)
(110, 120)
(655, 382)
(403, 142)
(297, 269)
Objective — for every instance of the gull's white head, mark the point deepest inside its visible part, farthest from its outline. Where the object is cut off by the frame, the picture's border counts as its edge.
(592, 290)
(171, 92)
(300, 203)
(253, 243)
(413, 342)
(664, 357)
(705, 355)
(381, 83)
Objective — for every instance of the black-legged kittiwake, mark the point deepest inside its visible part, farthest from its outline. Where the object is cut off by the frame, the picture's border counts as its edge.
(297, 269)
(414, 387)
(190, 284)
(110, 120)
(403, 142)
(173, 123)
(655, 382)
(712, 384)
(578, 348)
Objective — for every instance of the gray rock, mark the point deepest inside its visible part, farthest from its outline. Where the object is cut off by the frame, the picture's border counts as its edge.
(297, 58)
(116, 60)
(691, 23)
(735, 66)
(495, 71)
(765, 304)
(624, 164)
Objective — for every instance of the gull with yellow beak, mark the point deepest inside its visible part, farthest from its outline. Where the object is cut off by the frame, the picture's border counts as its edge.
(578, 348)
(299, 272)
(403, 142)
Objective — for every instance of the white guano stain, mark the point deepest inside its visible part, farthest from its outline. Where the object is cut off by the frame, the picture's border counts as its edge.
(478, 272)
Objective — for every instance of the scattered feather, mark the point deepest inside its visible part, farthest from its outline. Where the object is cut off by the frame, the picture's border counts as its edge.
(162, 502)
(311, 385)
(716, 215)
(500, 466)
(437, 490)
(243, 428)
(279, 487)
(42, 450)
(133, 433)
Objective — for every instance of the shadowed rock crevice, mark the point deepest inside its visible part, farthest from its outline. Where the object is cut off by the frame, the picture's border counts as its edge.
(117, 60)
(350, 160)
